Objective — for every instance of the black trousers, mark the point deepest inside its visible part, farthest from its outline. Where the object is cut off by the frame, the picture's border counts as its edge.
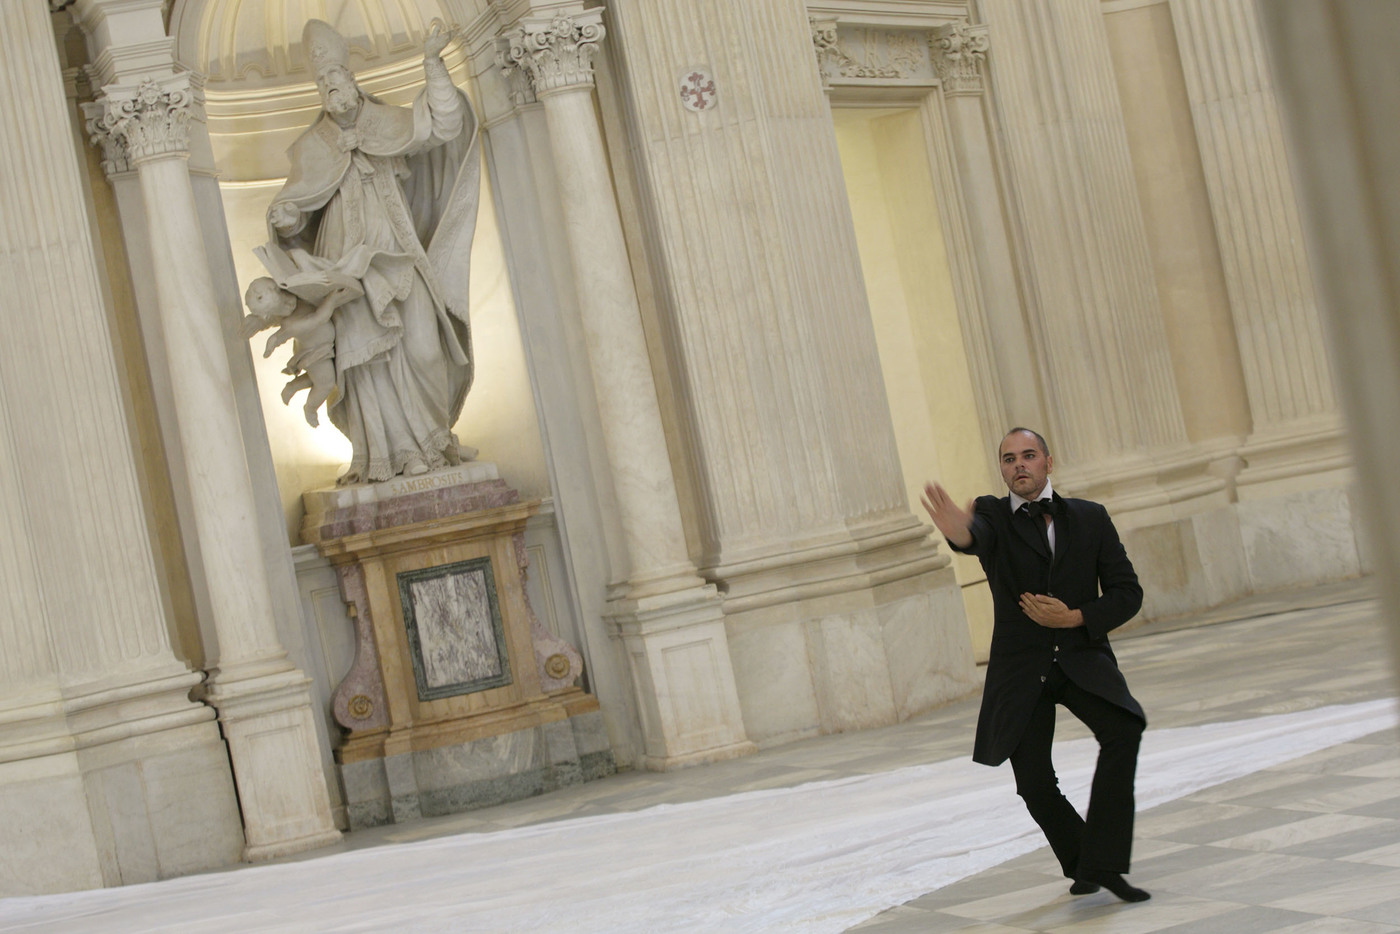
(1102, 841)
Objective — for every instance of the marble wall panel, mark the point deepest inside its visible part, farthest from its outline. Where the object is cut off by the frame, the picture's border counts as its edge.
(295, 807)
(1217, 537)
(853, 663)
(590, 733)
(404, 801)
(688, 688)
(1300, 539)
(1365, 537)
(1188, 564)
(128, 853)
(477, 773)
(772, 674)
(367, 798)
(455, 625)
(189, 804)
(49, 842)
(480, 760)
(850, 671)
(929, 657)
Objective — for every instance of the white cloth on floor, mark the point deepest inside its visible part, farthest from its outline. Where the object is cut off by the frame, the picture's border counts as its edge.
(811, 859)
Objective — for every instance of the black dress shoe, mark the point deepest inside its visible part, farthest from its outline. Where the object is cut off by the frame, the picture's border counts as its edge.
(1117, 885)
(1083, 887)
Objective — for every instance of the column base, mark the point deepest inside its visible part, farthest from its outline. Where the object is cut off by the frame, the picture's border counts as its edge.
(1305, 455)
(1297, 521)
(267, 722)
(1158, 486)
(678, 653)
(847, 634)
(699, 757)
(290, 846)
(1219, 521)
(121, 784)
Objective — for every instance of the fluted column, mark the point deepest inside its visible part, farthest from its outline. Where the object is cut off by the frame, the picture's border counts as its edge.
(669, 619)
(61, 388)
(91, 692)
(1297, 422)
(261, 697)
(1096, 321)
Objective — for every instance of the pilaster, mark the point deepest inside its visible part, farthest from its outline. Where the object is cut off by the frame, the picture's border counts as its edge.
(1298, 438)
(93, 697)
(801, 508)
(1096, 323)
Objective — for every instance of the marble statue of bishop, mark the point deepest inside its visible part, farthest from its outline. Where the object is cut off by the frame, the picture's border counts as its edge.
(388, 196)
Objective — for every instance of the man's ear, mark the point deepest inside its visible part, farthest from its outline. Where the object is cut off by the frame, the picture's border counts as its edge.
(1049, 464)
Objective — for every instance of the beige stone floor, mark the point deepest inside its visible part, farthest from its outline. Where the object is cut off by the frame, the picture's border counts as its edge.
(1312, 845)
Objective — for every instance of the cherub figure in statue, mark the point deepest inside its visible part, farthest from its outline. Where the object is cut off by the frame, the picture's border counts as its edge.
(308, 326)
(386, 195)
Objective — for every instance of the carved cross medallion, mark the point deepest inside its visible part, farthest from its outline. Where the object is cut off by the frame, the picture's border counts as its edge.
(697, 89)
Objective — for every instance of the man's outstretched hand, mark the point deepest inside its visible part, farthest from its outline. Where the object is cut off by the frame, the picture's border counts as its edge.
(1050, 612)
(953, 521)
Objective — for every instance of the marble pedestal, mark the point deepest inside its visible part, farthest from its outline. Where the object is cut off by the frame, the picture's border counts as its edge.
(458, 696)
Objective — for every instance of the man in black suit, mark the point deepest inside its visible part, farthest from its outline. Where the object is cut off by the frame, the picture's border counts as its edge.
(1060, 582)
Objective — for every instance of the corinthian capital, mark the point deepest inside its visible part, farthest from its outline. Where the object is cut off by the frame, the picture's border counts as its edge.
(553, 55)
(133, 125)
(827, 45)
(959, 49)
(114, 155)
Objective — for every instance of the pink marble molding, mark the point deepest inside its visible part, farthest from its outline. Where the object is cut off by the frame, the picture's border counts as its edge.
(358, 703)
(336, 513)
(558, 662)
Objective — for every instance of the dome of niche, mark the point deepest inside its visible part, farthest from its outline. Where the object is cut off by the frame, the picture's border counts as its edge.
(245, 45)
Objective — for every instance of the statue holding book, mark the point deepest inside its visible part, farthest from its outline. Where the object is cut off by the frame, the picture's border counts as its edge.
(372, 232)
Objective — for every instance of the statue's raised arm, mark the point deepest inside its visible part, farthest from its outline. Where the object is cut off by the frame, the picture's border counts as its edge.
(388, 196)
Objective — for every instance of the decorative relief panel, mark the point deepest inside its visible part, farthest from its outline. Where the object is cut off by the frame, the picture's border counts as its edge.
(824, 39)
(865, 53)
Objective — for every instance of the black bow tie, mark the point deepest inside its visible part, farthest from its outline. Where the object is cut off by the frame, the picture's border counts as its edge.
(1039, 507)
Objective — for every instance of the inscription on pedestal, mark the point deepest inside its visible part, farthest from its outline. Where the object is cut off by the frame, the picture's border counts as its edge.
(454, 629)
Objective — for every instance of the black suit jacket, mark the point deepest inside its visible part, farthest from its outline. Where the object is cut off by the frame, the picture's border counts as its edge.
(1091, 573)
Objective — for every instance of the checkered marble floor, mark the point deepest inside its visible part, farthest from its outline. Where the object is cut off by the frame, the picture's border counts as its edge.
(1311, 845)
